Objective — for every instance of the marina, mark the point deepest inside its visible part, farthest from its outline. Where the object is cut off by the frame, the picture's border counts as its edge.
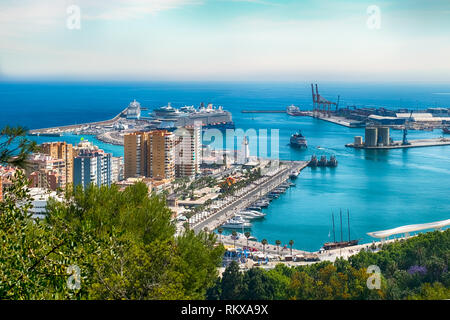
(247, 198)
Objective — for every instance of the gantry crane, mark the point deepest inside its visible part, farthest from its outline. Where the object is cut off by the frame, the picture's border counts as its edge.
(320, 104)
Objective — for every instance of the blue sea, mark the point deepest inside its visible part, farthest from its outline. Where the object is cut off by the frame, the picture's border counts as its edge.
(381, 189)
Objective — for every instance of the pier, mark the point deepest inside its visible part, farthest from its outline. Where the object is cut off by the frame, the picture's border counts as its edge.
(74, 127)
(266, 184)
(263, 111)
(399, 145)
(339, 120)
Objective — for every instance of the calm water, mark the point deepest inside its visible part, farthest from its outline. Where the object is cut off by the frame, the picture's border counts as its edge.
(382, 189)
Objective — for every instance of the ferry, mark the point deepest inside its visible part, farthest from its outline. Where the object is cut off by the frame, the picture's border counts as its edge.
(298, 140)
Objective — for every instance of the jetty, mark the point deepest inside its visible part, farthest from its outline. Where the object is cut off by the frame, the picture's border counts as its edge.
(263, 111)
(399, 145)
(74, 127)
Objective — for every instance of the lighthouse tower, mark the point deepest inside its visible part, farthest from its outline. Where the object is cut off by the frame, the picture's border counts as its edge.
(245, 150)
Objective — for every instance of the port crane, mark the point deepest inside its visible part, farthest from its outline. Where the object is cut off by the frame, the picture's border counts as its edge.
(320, 104)
(405, 130)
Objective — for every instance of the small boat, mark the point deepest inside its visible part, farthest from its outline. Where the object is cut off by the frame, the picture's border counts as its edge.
(446, 130)
(255, 208)
(262, 204)
(297, 140)
(293, 175)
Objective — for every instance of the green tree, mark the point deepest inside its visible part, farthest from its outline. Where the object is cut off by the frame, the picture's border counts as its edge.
(14, 147)
(264, 243)
(232, 283)
(247, 235)
(278, 242)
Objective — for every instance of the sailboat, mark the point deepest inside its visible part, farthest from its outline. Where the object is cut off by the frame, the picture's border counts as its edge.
(340, 244)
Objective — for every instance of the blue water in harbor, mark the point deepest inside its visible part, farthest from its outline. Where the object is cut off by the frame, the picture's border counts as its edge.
(382, 189)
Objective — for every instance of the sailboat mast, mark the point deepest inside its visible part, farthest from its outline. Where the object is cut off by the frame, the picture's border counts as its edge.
(334, 235)
(348, 222)
(340, 214)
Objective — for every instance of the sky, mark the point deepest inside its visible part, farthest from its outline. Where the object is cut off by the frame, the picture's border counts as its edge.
(226, 40)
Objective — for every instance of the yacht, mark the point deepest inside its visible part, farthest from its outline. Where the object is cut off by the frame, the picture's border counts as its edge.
(251, 215)
(237, 223)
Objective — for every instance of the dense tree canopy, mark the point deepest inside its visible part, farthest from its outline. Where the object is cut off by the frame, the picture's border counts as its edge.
(123, 244)
(413, 269)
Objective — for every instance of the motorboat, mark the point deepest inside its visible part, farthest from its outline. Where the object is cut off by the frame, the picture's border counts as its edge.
(237, 222)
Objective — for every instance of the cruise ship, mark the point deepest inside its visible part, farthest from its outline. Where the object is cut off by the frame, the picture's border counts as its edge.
(188, 116)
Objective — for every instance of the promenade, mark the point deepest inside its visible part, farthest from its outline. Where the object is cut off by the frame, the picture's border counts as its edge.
(245, 197)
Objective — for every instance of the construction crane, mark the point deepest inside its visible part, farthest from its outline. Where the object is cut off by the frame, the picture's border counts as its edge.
(405, 130)
(320, 104)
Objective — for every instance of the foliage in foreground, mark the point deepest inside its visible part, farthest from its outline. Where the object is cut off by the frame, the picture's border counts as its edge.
(413, 269)
(122, 243)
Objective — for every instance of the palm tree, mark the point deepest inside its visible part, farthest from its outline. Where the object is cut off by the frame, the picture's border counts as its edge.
(264, 242)
(220, 230)
(291, 243)
(247, 235)
(234, 234)
(278, 242)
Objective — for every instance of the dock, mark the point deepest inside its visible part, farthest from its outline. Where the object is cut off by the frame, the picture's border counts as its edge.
(340, 121)
(74, 127)
(213, 220)
(399, 145)
(263, 111)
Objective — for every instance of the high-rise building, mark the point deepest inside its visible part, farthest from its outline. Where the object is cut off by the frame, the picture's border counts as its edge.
(187, 151)
(116, 169)
(40, 165)
(161, 155)
(149, 154)
(92, 167)
(135, 151)
(46, 179)
(64, 151)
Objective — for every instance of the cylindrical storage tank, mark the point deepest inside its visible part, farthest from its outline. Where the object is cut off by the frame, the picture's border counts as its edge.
(358, 141)
(371, 137)
(383, 135)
